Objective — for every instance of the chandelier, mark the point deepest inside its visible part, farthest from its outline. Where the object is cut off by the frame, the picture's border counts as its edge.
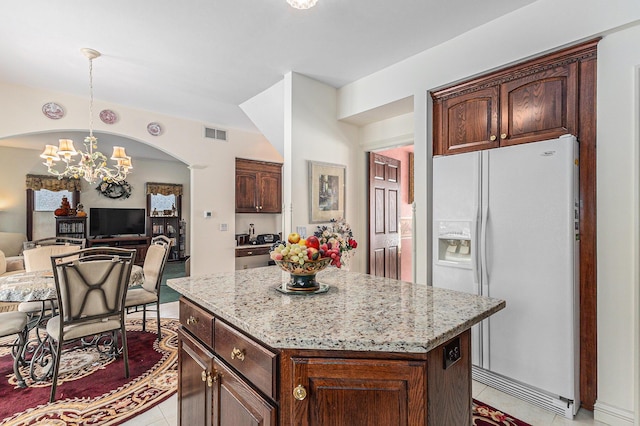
(302, 4)
(92, 164)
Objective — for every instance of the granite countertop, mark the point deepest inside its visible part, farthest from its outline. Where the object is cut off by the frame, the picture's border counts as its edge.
(359, 312)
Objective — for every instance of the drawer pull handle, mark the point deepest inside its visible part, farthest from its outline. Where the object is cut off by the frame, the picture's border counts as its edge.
(192, 320)
(299, 393)
(237, 353)
(203, 376)
(249, 253)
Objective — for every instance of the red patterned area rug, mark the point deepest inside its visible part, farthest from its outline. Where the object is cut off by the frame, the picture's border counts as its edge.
(486, 415)
(92, 389)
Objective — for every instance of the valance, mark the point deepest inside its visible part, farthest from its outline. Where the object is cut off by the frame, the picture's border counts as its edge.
(52, 183)
(164, 188)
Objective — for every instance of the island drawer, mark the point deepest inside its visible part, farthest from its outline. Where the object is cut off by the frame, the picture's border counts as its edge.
(255, 362)
(198, 321)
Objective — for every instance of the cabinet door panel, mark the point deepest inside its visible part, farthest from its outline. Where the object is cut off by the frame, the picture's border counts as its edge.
(343, 392)
(194, 396)
(539, 106)
(270, 193)
(238, 404)
(470, 121)
(246, 192)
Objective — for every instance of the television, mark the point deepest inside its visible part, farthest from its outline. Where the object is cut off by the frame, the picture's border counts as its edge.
(104, 222)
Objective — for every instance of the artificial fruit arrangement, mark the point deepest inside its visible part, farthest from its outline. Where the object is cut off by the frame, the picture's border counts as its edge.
(300, 250)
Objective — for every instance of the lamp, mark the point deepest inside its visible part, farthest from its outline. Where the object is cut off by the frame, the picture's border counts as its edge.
(302, 4)
(92, 165)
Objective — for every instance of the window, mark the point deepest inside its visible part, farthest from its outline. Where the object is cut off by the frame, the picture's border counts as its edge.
(48, 201)
(160, 203)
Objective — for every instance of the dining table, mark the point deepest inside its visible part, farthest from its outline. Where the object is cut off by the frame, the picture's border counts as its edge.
(40, 286)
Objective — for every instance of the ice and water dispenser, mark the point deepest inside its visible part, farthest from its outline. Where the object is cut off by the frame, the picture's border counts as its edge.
(454, 243)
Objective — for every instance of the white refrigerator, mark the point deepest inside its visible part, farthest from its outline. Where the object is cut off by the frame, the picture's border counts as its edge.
(506, 226)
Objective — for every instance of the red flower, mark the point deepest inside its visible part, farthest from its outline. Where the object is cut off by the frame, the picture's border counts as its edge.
(353, 243)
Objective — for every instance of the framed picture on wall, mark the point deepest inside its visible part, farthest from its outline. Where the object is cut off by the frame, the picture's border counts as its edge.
(326, 191)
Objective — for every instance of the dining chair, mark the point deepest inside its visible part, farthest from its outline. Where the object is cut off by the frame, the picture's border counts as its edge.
(15, 323)
(68, 241)
(153, 268)
(91, 285)
(39, 259)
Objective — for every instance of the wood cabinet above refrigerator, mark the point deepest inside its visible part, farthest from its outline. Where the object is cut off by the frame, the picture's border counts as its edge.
(528, 102)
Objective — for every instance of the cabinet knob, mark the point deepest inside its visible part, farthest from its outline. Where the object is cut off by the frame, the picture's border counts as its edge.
(503, 136)
(192, 320)
(237, 353)
(492, 138)
(203, 376)
(299, 393)
(211, 379)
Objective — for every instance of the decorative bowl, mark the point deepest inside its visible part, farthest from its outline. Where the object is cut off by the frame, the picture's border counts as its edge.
(303, 277)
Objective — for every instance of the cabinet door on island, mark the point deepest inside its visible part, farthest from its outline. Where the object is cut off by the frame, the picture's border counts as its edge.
(347, 392)
(195, 364)
(237, 404)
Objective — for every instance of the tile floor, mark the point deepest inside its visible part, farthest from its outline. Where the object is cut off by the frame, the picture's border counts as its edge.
(165, 414)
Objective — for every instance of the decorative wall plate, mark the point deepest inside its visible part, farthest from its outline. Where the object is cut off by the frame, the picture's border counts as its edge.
(52, 110)
(154, 129)
(108, 116)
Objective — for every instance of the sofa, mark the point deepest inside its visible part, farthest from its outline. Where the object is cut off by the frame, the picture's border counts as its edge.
(11, 260)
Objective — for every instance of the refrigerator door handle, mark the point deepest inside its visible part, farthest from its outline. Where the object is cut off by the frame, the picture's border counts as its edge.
(483, 251)
(475, 260)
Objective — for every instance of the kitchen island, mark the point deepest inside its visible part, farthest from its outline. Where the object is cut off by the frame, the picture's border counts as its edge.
(369, 351)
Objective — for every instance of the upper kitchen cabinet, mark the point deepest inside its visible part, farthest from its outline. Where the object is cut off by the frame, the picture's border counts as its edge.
(258, 186)
(528, 102)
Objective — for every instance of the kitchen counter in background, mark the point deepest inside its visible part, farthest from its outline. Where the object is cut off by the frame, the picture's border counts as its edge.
(252, 256)
(359, 312)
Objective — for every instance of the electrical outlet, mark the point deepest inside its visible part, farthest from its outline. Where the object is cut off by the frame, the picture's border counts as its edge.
(302, 231)
(208, 214)
(224, 227)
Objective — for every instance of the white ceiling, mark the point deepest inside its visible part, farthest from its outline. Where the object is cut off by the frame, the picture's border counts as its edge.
(200, 59)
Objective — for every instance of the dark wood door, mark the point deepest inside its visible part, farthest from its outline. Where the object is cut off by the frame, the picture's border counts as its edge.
(194, 394)
(468, 122)
(270, 200)
(384, 216)
(236, 404)
(246, 192)
(347, 392)
(539, 106)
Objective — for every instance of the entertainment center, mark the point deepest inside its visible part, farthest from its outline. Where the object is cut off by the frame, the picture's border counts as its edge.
(140, 244)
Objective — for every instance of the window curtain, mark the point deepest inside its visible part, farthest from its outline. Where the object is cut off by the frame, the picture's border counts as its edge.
(164, 188)
(52, 183)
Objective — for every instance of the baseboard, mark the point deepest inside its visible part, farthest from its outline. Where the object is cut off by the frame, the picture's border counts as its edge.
(611, 415)
(526, 393)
